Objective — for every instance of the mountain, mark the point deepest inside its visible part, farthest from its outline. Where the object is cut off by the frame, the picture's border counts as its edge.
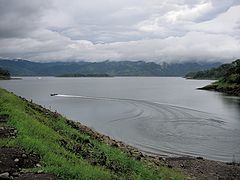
(228, 76)
(21, 67)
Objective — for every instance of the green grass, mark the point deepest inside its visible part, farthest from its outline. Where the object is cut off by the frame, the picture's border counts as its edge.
(66, 151)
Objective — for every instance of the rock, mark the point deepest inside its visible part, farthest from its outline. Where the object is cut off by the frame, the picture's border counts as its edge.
(24, 155)
(199, 157)
(16, 160)
(40, 171)
(38, 165)
(4, 175)
(116, 145)
(141, 154)
(182, 165)
(138, 158)
(15, 174)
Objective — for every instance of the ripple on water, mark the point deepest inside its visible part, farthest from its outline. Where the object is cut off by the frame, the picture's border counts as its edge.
(171, 130)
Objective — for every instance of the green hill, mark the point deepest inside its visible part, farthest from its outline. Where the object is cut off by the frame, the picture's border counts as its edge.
(228, 76)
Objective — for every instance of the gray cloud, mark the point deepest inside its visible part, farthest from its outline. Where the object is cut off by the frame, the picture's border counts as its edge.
(171, 30)
(19, 18)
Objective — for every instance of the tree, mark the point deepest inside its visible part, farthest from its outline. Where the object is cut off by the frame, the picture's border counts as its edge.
(4, 74)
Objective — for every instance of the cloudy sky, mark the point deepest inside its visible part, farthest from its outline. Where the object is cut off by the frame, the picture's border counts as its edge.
(97, 30)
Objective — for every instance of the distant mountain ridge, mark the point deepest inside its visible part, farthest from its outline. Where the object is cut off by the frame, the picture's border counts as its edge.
(21, 67)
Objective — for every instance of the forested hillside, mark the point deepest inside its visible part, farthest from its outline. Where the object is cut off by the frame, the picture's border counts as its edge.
(216, 73)
(112, 68)
(228, 76)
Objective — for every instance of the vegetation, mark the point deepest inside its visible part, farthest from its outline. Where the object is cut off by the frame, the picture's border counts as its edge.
(216, 73)
(67, 152)
(84, 75)
(112, 68)
(4, 74)
(228, 76)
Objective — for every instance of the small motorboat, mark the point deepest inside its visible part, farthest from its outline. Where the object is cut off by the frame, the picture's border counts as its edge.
(53, 94)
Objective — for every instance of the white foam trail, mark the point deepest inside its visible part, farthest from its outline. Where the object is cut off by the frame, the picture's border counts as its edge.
(126, 99)
(86, 97)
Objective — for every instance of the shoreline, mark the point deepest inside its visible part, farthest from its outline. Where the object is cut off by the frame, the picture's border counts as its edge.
(216, 86)
(189, 165)
(232, 90)
(194, 167)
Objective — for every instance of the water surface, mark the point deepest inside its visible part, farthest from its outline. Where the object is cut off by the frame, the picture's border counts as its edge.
(158, 115)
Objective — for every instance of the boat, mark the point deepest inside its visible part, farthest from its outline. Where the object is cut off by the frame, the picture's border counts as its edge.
(53, 94)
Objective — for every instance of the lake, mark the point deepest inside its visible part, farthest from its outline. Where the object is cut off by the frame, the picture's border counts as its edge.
(158, 115)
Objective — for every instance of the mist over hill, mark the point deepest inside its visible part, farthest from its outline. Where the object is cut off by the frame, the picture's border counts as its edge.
(21, 67)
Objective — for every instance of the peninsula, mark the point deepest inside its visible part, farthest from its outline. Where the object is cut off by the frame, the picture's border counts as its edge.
(227, 76)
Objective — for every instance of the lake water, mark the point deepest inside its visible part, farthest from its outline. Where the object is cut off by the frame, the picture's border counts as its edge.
(158, 115)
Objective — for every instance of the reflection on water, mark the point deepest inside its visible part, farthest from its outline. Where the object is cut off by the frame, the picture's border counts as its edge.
(165, 116)
(232, 102)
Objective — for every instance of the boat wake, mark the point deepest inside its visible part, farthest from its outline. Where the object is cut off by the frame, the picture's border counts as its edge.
(166, 129)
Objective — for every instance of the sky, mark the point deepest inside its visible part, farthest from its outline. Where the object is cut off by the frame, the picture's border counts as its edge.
(115, 30)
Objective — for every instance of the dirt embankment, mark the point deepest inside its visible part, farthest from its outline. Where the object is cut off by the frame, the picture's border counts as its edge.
(14, 161)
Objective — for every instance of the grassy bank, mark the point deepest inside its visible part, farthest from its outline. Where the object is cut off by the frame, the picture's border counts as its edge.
(68, 152)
